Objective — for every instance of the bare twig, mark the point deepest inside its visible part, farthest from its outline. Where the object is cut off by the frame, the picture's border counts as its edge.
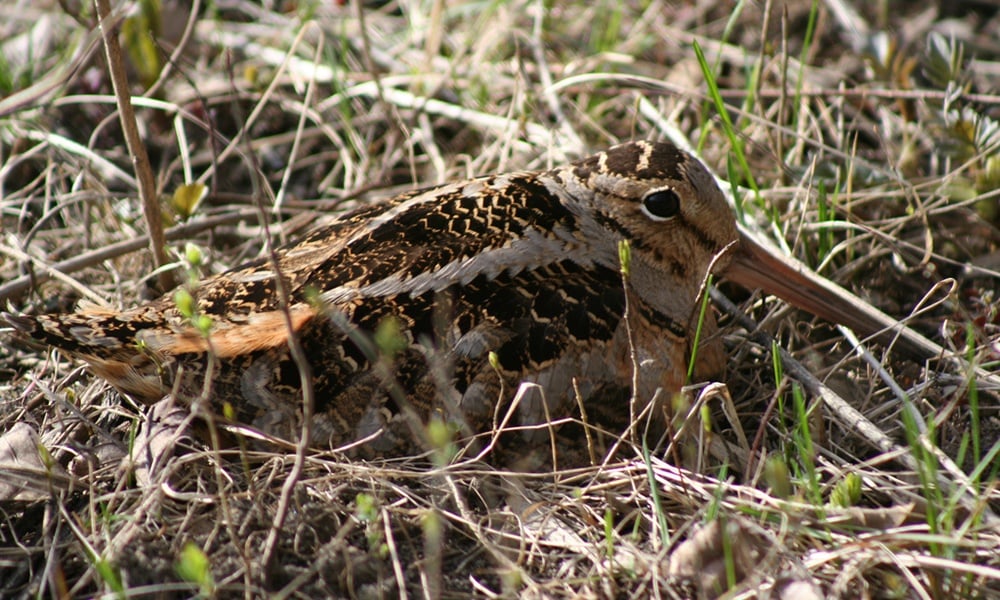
(136, 147)
(20, 285)
(294, 347)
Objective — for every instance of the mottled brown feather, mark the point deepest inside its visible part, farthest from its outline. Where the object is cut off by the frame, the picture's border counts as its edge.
(524, 266)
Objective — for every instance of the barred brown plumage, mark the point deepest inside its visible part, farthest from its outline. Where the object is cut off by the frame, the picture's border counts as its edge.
(523, 265)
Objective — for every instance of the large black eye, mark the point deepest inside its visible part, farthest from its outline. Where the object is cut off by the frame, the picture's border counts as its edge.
(661, 204)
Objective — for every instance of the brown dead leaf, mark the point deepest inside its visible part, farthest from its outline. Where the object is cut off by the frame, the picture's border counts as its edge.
(705, 555)
(27, 471)
(873, 518)
(158, 437)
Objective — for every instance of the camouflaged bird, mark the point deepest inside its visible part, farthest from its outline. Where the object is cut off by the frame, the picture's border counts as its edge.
(523, 266)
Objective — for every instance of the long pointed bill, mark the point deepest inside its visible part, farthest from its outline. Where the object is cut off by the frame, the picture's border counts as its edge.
(756, 266)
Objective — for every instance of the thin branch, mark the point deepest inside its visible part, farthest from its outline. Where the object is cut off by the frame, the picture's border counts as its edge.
(20, 285)
(136, 147)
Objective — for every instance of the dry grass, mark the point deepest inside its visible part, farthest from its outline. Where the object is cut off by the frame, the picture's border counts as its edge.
(873, 144)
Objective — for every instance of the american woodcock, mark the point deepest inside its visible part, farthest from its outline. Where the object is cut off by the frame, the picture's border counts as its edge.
(441, 302)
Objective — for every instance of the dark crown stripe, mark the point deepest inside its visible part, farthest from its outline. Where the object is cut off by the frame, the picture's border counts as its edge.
(662, 161)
